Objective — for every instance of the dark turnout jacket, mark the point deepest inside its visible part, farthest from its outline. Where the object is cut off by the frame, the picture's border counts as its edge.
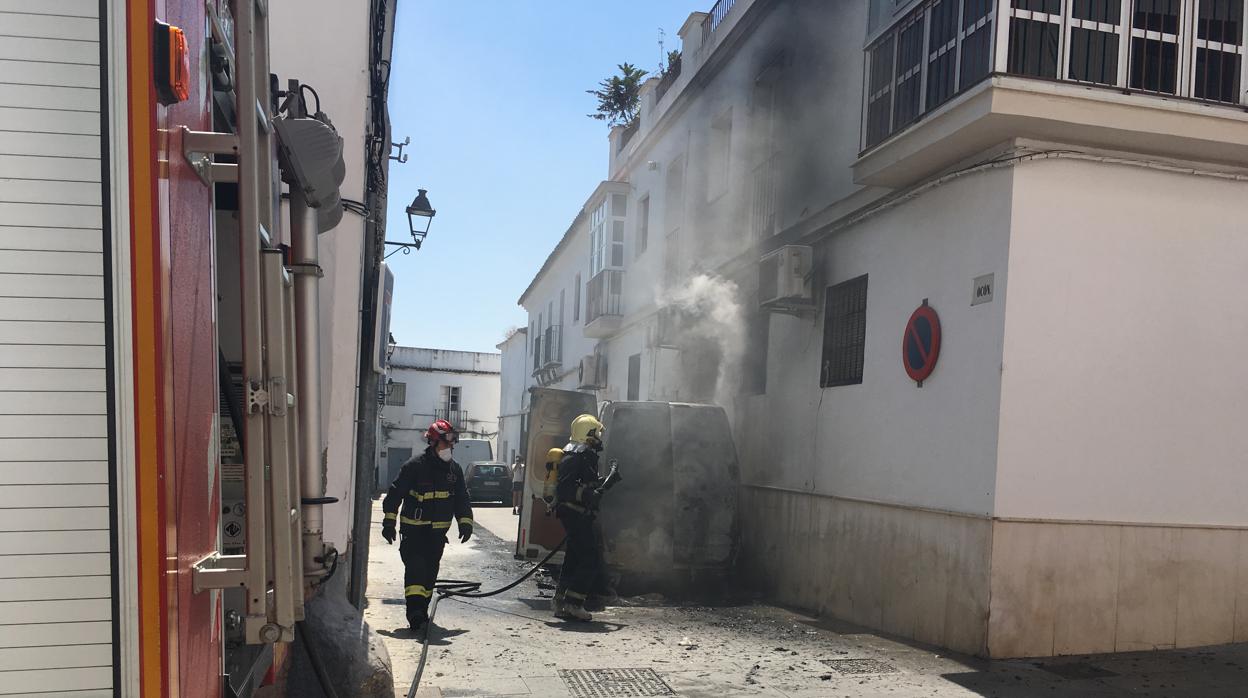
(578, 478)
(428, 494)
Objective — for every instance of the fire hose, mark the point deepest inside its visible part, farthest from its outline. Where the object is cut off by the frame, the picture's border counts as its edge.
(472, 590)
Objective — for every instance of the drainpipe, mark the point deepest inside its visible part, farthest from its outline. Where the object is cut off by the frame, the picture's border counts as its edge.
(305, 258)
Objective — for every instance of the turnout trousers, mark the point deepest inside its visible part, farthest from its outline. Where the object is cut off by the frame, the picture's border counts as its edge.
(422, 554)
(582, 557)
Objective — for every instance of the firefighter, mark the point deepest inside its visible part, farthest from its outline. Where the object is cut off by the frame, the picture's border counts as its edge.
(578, 493)
(431, 490)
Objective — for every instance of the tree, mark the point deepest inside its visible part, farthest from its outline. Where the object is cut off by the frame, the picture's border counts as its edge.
(673, 64)
(618, 99)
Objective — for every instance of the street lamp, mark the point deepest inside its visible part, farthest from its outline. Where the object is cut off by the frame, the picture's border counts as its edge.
(419, 209)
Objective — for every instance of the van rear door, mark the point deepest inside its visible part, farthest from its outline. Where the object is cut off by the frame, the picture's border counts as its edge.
(550, 418)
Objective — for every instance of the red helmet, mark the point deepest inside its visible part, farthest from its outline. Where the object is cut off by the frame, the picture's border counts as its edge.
(441, 430)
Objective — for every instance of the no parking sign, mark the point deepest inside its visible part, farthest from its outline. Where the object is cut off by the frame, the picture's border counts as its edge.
(920, 345)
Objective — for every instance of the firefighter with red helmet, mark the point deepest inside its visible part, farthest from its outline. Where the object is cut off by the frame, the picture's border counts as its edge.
(426, 498)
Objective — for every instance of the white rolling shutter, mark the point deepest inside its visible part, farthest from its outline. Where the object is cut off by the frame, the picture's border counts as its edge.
(55, 569)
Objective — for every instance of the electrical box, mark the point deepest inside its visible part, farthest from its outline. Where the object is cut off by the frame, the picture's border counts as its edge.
(784, 279)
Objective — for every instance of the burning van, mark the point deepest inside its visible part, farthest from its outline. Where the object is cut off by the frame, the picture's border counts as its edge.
(671, 523)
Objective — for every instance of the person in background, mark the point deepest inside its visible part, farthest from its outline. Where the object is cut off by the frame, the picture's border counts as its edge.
(517, 485)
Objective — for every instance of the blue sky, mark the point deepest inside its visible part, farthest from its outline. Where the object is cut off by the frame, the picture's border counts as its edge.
(492, 94)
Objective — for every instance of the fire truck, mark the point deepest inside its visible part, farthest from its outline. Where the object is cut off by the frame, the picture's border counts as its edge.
(162, 467)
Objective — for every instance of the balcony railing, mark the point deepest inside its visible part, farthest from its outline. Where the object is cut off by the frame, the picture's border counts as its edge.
(715, 17)
(604, 295)
(668, 79)
(457, 418)
(552, 346)
(1191, 50)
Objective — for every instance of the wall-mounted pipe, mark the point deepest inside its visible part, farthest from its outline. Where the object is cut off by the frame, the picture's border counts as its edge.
(305, 260)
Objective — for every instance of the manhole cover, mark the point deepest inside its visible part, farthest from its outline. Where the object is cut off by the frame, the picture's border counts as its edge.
(855, 667)
(1077, 670)
(610, 683)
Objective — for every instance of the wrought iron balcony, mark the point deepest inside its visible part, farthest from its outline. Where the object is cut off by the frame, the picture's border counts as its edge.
(715, 17)
(458, 418)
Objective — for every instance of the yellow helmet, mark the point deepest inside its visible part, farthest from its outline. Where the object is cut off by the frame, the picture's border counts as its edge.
(554, 455)
(586, 427)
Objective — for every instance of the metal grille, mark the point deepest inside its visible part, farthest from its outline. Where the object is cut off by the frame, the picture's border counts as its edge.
(717, 15)
(857, 667)
(613, 683)
(844, 333)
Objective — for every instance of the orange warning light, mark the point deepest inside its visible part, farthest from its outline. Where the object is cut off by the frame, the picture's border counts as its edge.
(172, 64)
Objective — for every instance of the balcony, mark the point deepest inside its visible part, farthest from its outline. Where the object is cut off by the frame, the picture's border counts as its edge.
(552, 347)
(459, 418)
(604, 295)
(953, 78)
(548, 355)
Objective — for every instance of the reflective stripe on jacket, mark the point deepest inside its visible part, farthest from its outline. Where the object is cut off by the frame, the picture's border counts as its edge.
(428, 494)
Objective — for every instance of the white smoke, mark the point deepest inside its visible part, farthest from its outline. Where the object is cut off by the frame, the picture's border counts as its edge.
(710, 329)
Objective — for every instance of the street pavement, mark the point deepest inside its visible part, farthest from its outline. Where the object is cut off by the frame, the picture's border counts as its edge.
(510, 645)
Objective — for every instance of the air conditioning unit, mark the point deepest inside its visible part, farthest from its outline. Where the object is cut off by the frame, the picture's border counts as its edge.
(592, 374)
(784, 278)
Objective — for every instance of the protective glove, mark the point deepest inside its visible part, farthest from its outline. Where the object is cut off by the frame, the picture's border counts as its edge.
(592, 498)
(465, 532)
(387, 532)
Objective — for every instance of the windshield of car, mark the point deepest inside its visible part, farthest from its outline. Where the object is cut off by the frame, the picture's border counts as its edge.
(491, 470)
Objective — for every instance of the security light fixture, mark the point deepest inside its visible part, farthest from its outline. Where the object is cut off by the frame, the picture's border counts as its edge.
(419, 209)
(310, 153)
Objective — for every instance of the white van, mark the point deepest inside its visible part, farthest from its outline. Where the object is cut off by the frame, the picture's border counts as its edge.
(469, 451)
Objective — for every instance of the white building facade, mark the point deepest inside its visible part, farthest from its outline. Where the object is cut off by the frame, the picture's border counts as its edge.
(1044, 177)
(513, 395)
(461, 387)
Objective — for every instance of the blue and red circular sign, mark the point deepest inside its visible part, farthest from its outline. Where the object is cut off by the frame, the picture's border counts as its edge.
(920, 346)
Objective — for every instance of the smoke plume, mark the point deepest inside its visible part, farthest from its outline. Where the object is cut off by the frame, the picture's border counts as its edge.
(709, 328)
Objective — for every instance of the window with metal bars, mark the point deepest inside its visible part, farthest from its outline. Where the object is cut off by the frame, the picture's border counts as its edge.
(909, 75)
(844, 333)
(1219, 50)
(880, 91)
(939, 49)
(396, 393)
(1194, 49)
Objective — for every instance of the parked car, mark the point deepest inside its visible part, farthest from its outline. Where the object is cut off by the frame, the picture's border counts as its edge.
(489, 481)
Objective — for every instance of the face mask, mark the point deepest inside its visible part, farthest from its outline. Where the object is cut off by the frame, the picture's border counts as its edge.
(445, 455)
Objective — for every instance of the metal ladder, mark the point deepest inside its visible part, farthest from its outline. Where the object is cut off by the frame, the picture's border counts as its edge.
(272, 570)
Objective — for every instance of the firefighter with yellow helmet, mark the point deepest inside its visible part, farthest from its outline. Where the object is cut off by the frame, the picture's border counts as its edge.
(577, 493)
